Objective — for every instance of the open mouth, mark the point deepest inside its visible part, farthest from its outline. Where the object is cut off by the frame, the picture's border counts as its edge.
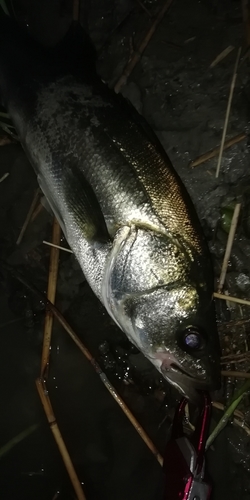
(189, 385)
(179, 369)
(185, 383)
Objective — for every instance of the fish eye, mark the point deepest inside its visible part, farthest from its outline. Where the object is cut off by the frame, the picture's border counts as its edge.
(191, 339)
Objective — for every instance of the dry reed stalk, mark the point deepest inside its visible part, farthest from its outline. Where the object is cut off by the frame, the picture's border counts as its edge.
(235, 374)
(138, 53)
(235, 360)
(187, 418)
(244, 302)
(234, 323)
(106, 382)
(43, 393)
(229, 246)
(241, 424)
(228, 112)
(90, 358)
(213, 152)
(4, 176)
(37, 211)
(235, 357)
(51, 294)
(57, 246)
(222, 56)
(28, 217)
(144, 8)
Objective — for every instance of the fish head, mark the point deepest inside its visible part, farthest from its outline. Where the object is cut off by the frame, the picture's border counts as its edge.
(161, 296)
(178, 334)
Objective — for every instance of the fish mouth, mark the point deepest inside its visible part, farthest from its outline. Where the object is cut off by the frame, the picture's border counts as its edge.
(185, 383)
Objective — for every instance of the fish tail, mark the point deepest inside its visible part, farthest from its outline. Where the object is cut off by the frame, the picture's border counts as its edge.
(77, 49)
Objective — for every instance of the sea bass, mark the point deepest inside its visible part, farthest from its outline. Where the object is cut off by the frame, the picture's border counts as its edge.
(122, 207)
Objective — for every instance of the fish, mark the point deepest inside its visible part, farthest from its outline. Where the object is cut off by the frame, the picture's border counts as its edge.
(122, 207)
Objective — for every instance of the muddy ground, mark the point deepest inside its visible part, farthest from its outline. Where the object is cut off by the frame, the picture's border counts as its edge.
(185, 101)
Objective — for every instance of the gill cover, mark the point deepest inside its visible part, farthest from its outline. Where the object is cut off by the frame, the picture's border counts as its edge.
(144, 277)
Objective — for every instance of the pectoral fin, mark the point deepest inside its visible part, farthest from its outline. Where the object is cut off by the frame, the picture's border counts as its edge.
(83, 205)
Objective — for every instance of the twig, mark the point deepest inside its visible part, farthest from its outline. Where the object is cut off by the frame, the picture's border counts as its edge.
(16, 440)
(4, 176)
(137, 54)
(228, 413)
(235, 374)
(241, 359)
(222, 56)
(235, 357)
(172, 44)
(190, 40)
(246, 56)
(28, 217)
(117, 27)
(56, 495)
(41, 385)
(187, 417)
(213, 152)
(42, 391)
(232, 299)
(106, 382)
(89, 357)
(51, 294)
(8, 130)
(229, 246)
(234, 323)
(57, 246)
(36, 212)
(228, 112)
(241, 424)
(144, 8)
